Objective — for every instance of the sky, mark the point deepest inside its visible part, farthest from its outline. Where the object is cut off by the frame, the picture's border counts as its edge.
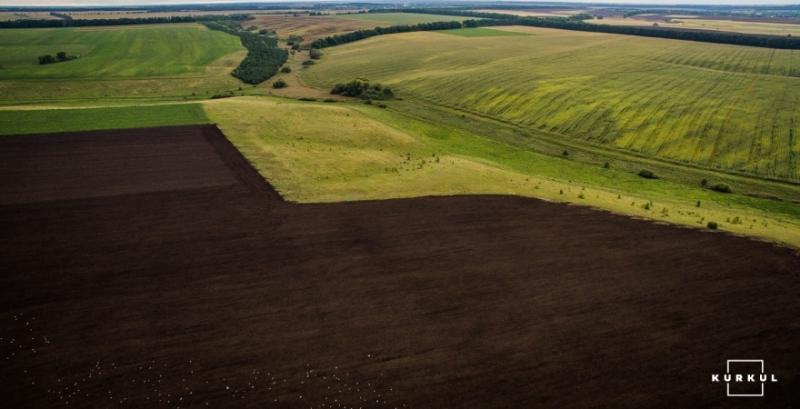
(150, 2)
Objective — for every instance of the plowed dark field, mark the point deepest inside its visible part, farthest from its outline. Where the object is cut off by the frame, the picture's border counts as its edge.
(155, 269)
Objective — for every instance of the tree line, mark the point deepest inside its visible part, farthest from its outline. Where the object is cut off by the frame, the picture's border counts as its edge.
(71, 22)
(497, 19)
(338, 39)
(264, 57)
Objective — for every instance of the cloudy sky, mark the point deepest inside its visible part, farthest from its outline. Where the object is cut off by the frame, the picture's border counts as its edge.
(130, 2)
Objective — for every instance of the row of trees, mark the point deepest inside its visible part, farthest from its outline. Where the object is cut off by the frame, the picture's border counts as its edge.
(70, 22)
(497, 19)
(264, 57)
(338, 39)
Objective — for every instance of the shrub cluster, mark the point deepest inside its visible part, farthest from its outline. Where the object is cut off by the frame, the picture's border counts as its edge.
(61, 56)
(647, 174)
(721, 187)
(361, 88)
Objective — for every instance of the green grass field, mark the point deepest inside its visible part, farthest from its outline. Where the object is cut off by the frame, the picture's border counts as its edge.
(112, 52)
(116, 62)
(716, 107)
(65, 120)
(321, 152)
(395, 19)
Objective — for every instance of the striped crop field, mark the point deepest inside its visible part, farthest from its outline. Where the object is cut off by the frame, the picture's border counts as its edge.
(721, 107)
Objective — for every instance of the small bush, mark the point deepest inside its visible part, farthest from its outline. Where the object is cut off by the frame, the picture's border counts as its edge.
(280, 84)
(308, 62)
(307, 99)
(315, 53)
(704, 182)
(647, 174)
(294, 39)
(606, 165)
(222, 95)
(287, 69)
(565, 154)
(713, 225)
(721, 187)
(328, 100)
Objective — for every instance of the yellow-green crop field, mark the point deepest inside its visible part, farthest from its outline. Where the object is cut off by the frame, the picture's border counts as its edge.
(716, 107)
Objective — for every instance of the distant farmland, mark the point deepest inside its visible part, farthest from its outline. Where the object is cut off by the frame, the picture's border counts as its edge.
(715, 106)
(312, 27)
(309, 27)
(391, 19)
(690, 22)
(127, 61)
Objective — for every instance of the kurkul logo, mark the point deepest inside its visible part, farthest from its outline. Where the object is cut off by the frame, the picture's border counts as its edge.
(744, 378)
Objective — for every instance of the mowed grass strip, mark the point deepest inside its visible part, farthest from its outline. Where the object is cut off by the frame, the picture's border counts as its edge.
(113, 52)
(719, 107)
(85, 119)
(323, 152)
(483, 32)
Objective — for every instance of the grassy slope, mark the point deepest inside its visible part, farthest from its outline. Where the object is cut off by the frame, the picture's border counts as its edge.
(712, 106)
(393, 19)
(374, 153)
(65, 120)
(117, 62)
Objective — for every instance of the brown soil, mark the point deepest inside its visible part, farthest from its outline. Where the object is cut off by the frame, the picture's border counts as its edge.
(155, 268)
